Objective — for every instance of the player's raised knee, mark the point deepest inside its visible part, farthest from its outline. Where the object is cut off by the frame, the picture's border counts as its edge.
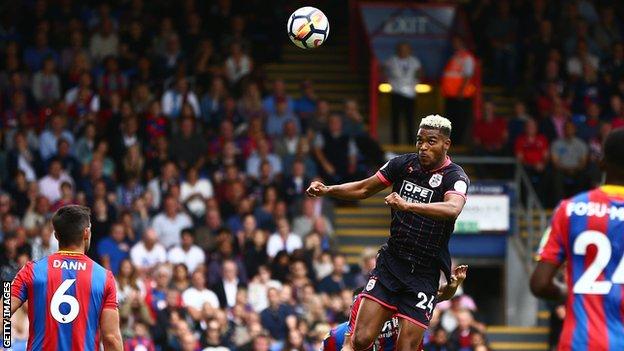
(362, 340)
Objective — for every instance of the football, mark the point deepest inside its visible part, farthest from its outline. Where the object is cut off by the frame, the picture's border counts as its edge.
(308, 27)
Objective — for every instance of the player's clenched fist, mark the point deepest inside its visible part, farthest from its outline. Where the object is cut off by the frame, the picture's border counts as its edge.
(317, 189)
(396, 202)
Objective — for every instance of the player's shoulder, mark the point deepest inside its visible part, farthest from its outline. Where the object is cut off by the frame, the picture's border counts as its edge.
(403, 158)
(454, 167)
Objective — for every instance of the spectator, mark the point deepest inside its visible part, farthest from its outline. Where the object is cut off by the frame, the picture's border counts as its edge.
(303, 224)
(278, 93)
(583, 56)
(336, 281)
(104, 42)
(335, 152)
(277, 120)
(287, 142)
(67, 197)
(50, 185)
(169, 223)
(48, 140)
(439, 341)
(197, 295)
(294, 184)
(83, 149)
(44, 243)
(188, 143)
(283, 239)
(195, 191)
(112, 80)
(187, 253)
(490, 133)
(148, 252)
(516, 124)
(113, 249)
(263, 154)
(160, 185)
(228, 286)
(238, 65)
(70, 163)
(403, 71)
(46, 85)
(569, 157)
(128, 281)
(35, 55)
(458, 88)
(174, 99)
(532, 149)
(461, 337)
(274, 317)
(141, 339)
(23, 158)
(172, 56)
(305, 105)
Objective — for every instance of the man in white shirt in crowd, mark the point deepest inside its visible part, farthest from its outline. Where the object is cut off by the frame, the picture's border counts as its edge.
(259, 287)
(197, 295)
(227, 288)
(170, 222)
(283, 239)
(148, 252)
(173, 99)
(403, 71)
(194, 192)
(50, 185)
(188, 253)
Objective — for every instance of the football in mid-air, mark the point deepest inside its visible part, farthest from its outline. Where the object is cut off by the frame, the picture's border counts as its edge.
(308, 27)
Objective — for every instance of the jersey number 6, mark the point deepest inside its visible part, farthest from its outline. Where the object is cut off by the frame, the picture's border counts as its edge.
(59, 298)
(588, 282)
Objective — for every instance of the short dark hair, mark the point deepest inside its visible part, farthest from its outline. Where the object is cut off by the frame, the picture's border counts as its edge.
(614, 149)
(69, 222)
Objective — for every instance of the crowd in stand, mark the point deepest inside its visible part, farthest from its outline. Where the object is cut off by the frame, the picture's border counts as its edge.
(194, 166)
(564, 63)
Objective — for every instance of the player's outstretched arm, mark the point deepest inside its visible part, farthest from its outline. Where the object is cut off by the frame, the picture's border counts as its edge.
(543, 282)
(348, 191)
(447, 210)
(448, 291)
(109, 325)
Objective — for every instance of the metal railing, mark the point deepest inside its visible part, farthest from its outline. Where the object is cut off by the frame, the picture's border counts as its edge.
(530, 216)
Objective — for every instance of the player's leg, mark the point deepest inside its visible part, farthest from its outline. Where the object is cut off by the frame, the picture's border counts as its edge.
(410, 335)
(370, 319)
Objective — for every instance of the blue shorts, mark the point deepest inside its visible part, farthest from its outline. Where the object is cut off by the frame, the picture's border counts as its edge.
(400, 286)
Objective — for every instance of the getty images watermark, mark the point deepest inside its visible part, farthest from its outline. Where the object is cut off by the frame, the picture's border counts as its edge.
(6, 314)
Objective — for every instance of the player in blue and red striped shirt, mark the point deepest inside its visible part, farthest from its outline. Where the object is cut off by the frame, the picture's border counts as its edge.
(72, 301)
(587, 233)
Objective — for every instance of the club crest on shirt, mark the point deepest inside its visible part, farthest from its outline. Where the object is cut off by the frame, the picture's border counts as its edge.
(371, 284)
(435, 180)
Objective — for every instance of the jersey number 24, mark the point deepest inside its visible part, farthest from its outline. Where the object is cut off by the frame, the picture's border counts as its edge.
(588, 282)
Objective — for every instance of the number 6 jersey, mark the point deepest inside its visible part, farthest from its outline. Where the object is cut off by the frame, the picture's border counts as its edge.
(66, 293)
(587, 233)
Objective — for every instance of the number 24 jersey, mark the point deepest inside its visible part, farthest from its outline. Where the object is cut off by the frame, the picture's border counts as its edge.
(66, 294)
(587, 233)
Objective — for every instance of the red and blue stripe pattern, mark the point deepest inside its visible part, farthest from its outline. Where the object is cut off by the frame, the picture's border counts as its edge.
(93, 289)
(594, 319)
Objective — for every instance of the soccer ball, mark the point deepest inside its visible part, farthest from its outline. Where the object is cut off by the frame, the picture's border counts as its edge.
(308, 27)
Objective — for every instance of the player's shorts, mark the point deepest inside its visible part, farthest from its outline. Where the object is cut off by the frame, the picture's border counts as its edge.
(398, 285)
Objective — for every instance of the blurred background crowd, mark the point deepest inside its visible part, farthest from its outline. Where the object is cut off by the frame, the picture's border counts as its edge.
(157, 115)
